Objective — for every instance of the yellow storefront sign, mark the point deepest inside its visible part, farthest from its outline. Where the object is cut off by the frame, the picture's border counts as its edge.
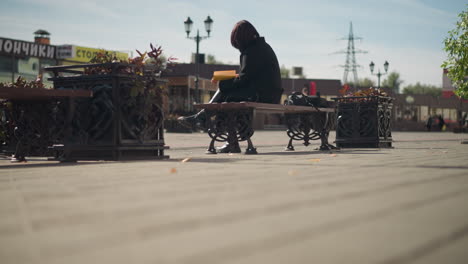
(84, 54)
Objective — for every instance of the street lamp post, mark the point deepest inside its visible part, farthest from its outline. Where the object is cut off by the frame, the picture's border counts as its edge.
(188, 27)
(378, 74)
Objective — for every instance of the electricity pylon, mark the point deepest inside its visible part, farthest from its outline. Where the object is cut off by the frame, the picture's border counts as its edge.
(351, 64)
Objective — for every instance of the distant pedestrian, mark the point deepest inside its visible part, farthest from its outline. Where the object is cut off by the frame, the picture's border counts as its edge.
(429, 123)
(464, 120)
(441, 123)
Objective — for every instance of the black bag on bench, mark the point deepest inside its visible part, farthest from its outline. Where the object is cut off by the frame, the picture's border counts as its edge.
(297, 98)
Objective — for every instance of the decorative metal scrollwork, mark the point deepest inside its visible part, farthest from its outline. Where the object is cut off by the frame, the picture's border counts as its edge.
(141, 115)
(34, 129)
(384, 116)
(58, 118)
(230, 127)
(93, 117)
(367, 126)
(7, 127)
(300, 127)
(142, 127)
(364, 122)
(309, 126)
(218, 125)
(344, 123)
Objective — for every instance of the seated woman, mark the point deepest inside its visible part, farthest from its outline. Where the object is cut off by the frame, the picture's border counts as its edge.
(259, 78)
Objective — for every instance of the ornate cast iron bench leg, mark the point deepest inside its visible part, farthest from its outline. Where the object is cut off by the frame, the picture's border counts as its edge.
(219, 125)
(212, 131)
(324, 122)
(290, 146)
(308, 126)
(211, 149)
(244, 123)
(300, 127)
(231, 127)
(232, 140)
(250, 148)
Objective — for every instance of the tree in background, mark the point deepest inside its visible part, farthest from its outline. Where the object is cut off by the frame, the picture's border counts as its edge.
(211, 59)
(419, 88)
(456, 45)
(393, 82)
(363, 83)
(284, 72)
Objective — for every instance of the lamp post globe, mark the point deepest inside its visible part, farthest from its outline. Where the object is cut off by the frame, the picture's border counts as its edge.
(208, 23)
(188, 25)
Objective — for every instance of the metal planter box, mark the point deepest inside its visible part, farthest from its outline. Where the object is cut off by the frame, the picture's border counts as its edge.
(364, 122)
(116, 123)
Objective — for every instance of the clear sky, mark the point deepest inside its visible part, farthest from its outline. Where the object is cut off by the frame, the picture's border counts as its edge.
(407, 33)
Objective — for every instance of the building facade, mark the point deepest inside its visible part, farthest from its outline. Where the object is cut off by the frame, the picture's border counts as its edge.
(73, 54)
(24, 58)
(28, 59)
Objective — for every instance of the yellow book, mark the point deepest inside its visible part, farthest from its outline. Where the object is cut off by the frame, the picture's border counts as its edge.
(224, 75)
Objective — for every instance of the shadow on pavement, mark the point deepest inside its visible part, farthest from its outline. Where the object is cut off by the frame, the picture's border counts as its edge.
(442, 167)
(40, 163)
(44, 163)
(315, 152)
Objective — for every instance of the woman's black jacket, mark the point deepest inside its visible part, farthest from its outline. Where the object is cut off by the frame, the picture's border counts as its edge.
(259, 76)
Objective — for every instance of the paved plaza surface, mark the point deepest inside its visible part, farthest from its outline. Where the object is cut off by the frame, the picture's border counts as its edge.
(408, 204)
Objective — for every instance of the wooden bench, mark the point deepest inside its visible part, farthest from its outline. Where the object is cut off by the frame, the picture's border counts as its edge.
(28, 125)
(19, 93)
(233, 122)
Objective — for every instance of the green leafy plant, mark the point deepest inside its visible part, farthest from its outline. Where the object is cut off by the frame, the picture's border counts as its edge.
(146, 66)
(6, 106)
(149, 62)
(419, 88)
(456, 46)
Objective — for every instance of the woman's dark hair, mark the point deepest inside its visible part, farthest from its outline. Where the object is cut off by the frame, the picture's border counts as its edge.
(242, 34)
